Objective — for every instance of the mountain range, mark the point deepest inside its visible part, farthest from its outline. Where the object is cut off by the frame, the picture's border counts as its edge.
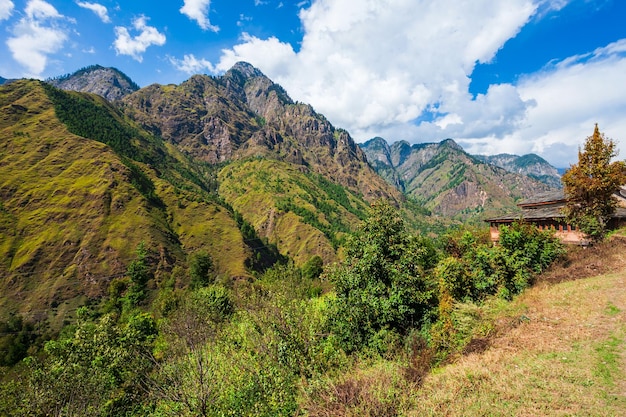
(450, 182)
(92, 166)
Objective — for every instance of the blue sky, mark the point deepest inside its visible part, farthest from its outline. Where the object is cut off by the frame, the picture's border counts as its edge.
(514, 76)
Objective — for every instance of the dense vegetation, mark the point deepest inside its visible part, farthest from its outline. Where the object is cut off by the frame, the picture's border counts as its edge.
(96, 119)
(589, 185)
(277, 345)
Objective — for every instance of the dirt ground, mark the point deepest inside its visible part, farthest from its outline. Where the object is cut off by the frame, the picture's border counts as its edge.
(584, 262)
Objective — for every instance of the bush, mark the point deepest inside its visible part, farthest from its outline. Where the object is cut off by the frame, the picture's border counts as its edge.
(381, 285)
(200, 269)
(476, 270)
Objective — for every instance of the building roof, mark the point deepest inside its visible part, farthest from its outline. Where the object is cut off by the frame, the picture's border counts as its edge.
(549, 197)
(545, 213)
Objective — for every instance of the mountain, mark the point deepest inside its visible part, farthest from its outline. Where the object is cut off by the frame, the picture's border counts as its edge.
(110, 83)
(243, 114)
(532, 165)
(5, 80)
(246, 121)
(447, 180)
(81, 187)
(229, 165)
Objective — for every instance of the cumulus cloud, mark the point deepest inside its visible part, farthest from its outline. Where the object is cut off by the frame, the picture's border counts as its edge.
(6, 9)
(98, 9)
(41, 10)
(125, 44)
(401, 70)
(277, 57)
(571, 97)
(192, 65)
(372, 65)
(198, 10)
(37, 35)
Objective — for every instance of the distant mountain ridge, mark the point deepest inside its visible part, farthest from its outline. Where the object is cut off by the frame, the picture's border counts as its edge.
(243, 114)
(110, 83)
(532, 165)
(447, 180)
(5, 80)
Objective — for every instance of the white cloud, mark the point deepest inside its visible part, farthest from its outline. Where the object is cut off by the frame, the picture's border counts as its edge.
(572, 97)
(6, 9)
(275, 55)
(192, 65)
(36, 36)
(41, 10)
(568, 98)
(198, 10)
(401, 69)
(98, 9)
(370, 65)
(125, 44)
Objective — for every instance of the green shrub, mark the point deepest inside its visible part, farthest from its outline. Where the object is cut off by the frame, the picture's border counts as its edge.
(381, 285)
(200, 269)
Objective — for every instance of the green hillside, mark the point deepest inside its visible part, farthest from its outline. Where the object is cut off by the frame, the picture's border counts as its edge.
(449, 182)
(303, 214)
(74, 208)
(83, 185)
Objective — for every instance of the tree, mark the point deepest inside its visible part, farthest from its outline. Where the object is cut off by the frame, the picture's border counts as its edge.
(200, 269)
(381, 289)
(95, 370)
(590, 184)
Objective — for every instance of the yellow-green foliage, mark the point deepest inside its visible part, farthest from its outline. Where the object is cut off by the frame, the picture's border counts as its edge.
(66, 211)
(273, 196)
(207, 226)
(72, 213)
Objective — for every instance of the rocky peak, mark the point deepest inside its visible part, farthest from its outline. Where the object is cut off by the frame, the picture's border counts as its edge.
(447, 180)
(530, 164)
(110, 83)
(248, 84)
(377, 150)
(450, 143)
(242, 114)
(400, 151)
(246, 70)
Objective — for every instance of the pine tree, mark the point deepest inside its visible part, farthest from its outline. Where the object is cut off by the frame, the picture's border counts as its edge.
(590, 184)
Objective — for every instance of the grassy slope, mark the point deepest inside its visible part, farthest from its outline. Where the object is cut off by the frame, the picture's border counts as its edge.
(71, 220)
(262, 190)
(44, 239)
(564, 355)
(558, 349)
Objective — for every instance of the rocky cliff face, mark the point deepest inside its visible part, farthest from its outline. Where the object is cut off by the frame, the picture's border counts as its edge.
(447, 180)
(109, 83)
(244, 114)
(532, 165)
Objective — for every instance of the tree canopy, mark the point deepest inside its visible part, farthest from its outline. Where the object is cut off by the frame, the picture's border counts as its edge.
(590, 184)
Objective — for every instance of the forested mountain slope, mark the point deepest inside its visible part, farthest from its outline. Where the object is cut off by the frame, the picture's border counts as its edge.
(83, 185)
(447, 180)
(74, 207)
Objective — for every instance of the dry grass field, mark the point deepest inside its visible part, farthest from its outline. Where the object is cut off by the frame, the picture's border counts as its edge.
(557, 350)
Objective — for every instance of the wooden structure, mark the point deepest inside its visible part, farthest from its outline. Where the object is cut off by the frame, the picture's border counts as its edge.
(545, 211)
